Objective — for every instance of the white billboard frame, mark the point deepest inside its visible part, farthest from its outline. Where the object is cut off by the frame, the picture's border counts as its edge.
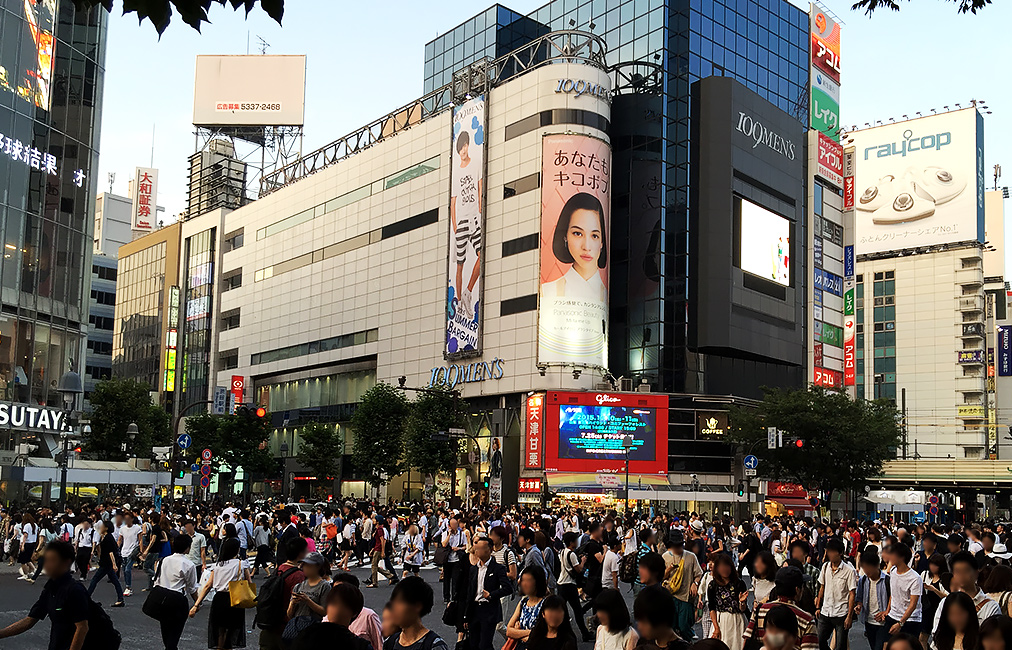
(249, 90)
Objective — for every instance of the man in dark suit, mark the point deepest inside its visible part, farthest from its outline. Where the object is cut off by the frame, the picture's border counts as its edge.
(486, 585)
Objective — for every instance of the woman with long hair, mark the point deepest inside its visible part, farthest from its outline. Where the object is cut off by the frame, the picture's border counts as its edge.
(995, 634)
(29, 538)
(958, 626)
(764, 572)
(614, 631)
(999, 587)
(726, 599)
(226, 625)
(533, 588)
(553, 631)
(934, 592)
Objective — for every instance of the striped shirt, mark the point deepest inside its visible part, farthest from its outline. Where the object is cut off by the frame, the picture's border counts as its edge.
(806, 624)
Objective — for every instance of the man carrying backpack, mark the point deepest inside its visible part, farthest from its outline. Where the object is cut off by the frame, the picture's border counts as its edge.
(276, 593)
(77, 623)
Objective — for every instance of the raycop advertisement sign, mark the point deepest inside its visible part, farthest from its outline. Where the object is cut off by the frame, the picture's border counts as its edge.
(920, 182)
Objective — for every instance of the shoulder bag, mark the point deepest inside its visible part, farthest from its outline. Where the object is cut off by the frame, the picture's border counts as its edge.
(161, 601)
(242, 593)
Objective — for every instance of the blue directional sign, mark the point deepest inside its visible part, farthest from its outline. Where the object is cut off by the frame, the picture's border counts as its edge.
(184, 440)
(194, 467)
(751, 462)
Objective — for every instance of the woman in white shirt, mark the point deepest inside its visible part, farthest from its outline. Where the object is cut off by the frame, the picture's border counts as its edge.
(226, 626)
(178, 575)
(413, 550)
(614, 631)
(29, 538)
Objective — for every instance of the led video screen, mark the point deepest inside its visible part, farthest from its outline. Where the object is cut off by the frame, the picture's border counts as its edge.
(765, 244)
(27, 71)
(597, 432)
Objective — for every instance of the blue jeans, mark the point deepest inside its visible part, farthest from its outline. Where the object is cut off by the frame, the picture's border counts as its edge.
(102, 572)
(128, 568)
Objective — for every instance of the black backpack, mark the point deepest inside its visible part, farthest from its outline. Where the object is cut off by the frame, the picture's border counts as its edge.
(101, 633)
(271, 607)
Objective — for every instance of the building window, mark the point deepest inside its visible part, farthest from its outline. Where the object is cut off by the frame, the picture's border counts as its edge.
(103, 297)
(313, 347)
(103, 273)
(230, 320)
(521, 185)
(229, 359)
(101, 322)
(233, 240)
(884, 334)
(520, 244)
(518, 305)
(231, 280)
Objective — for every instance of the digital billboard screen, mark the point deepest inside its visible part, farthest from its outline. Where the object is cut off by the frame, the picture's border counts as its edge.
(765, 243)
(26, 64)
(584, 432)
(597, 432)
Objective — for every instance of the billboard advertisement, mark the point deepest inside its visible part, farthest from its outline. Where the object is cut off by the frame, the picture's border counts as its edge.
(849, 338)
(145, 197)
(26, 62)
(825, 42)
(920, 182)
(464, 307)
(765, 243)
(830, 164)
(585, 432)
(249, 90)
(1004, 351)
(575, 211)
(824, 75)
(534, 432)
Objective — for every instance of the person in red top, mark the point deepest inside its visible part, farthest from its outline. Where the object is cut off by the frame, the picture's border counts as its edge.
(296, 548)
(378, 551)
(789, 584)
(855, 540)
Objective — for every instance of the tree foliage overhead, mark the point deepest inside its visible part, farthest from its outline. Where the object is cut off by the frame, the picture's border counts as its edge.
(115, 404)
(963, 6)
(192, 12)
(378, 424)
(845, 441)
(235, 441)
(436, 411)
(320, 449)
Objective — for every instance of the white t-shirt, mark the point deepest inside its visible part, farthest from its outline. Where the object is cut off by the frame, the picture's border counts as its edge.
(131, 539)
(465, 185)
(226, 572)
(31, 534)
(903, 586)
(609, 569)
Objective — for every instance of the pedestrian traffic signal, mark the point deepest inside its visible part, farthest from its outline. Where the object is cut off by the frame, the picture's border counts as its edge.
(741, 488)
(799, 443)
(485, 484)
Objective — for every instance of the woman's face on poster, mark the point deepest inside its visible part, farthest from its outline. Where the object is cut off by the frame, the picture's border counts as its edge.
(583, 240)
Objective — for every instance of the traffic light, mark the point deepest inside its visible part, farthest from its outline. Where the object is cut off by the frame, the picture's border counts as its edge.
(180, 469)
(741, 488)
(485, 483)
(78, 449)
(799, 443)
(261, 412)
(252, 414)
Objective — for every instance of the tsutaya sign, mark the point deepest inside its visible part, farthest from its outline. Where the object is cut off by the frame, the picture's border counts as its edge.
(466, 373)
(32, 418)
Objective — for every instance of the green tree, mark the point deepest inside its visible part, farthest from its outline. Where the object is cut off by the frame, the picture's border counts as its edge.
(321, 447)
(845, 441)
(235, 441)
(433, 412)
(378, 424)
(962, 6)
(193, 12)
(115, 404)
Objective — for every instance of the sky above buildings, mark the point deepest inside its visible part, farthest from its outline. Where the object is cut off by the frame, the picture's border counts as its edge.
(363, 63)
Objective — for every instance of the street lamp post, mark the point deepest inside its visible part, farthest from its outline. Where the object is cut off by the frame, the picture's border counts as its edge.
(627, 445)
(284, 469)
(69, 386)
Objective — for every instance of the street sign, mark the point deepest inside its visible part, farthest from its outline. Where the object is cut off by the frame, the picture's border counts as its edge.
(161, 453)
(205, 470)
(771, 437)
(457, 431)
(205, 455)
(751, 462)
(933, 510)
(933, 499)
(205, 481)
(194, 467)
(750, 472)
(220, 400)
(184, 440)
(608, 480)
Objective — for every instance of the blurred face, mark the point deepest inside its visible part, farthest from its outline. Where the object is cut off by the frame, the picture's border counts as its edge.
(994, 641)
(388, 625)
(311, 570)
(403, 614)
(964, 577)
(527, 584)
(900, 644)
(646, 577)
(958, 618)
(584, 240)
(55, 566)
(338, 613)
(483, 550)
(603, 619)
(554, 617)
(646, 630)
(776, 639)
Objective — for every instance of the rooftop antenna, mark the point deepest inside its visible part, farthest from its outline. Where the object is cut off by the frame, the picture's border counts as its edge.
(112, 179)
(997, 175)
(263, 45)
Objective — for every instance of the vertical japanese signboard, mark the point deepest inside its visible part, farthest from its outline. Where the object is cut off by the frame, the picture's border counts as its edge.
(1004, 351)
(464, 306)
(534, 441)
(238, 385)
(575, 211)
(849, 337)
(825, 73)
(145, 199)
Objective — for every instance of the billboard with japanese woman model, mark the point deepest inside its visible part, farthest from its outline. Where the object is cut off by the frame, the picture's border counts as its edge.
(575, 227)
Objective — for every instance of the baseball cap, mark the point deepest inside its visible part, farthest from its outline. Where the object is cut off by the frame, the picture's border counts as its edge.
(314, 558)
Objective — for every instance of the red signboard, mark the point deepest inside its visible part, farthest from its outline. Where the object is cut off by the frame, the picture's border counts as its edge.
(238, 384)
(817, 353)
(848, 192)
(828, 378)
(585, 432)
(534, 445)
(849, 351)
(530, 486)
(830, 160)
(776, 489)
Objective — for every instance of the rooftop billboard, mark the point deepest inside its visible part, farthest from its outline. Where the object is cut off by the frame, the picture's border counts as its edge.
(249, 90)
(920, 182)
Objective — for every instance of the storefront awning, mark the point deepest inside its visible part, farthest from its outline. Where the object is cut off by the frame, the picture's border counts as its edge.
(591, 482)
(792, 503)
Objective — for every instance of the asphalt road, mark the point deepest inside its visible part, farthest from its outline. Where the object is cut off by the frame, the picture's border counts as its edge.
(141, 633)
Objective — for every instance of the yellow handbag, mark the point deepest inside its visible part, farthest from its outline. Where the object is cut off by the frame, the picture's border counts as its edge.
(242, 593)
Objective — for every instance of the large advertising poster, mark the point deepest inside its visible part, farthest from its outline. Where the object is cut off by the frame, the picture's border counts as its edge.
(575, 211)
(824, 103)
(585, 432)
(464, 306)
(28, 74)
(920, 182)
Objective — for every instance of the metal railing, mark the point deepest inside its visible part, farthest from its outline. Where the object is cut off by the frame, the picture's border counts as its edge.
(565, 46)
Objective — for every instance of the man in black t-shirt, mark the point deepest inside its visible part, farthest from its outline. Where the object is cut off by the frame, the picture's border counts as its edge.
(593, 554)
(63, 599)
